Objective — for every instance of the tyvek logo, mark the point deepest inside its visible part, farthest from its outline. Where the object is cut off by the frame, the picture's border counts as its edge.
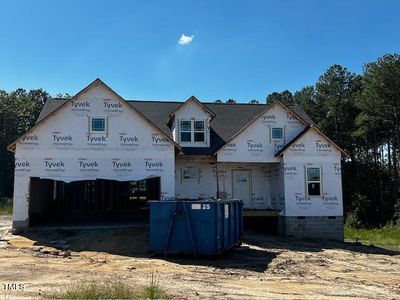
(30, 139)
(88, 165)
(62, 140)
(152, 165)
(80, 106)
(23, 164)
(330, 201)
(290, 170)
(51, 165)
(121, 165)
(112, 105)
(266, 172)
(230, 147)
(165, 196)
(254, 147)
(159, 142)
(301, 147)
(22, 167)
(302, 201)
(128, 141)
(268, 118)
(322, 147)
(337, 169)
(257, 199)
(221, 173)
(95, 140)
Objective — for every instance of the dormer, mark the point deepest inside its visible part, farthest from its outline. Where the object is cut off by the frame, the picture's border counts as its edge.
(190, 124)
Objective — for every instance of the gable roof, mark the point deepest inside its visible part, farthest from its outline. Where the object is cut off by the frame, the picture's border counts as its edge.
(302, 133)
(229, 118)
(194, 99)
(51, 108)
(287, 107)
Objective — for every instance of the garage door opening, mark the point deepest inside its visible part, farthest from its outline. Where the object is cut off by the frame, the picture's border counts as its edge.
(92, 201)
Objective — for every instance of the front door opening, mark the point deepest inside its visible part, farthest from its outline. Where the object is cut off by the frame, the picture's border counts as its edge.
(90, 200)
(241, 186)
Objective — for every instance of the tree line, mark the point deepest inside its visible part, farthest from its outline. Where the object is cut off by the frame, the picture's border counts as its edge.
(360, 112)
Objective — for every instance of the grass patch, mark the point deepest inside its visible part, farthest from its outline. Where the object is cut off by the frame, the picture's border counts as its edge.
(6, 206)
(387, 237)
(109, 290)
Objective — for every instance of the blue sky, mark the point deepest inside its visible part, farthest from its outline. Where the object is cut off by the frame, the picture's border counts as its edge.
(240, 49)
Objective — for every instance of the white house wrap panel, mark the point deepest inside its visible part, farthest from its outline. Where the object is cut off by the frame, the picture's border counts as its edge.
(63, 148)
(312, 150)
(256, 143)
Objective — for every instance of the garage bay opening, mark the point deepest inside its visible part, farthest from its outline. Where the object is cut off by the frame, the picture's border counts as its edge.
(92, 201)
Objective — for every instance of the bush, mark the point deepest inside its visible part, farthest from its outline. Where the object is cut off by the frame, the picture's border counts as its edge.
(352, 221)
(397, 212)
(153, 291)
(6, 206)
(109, 290)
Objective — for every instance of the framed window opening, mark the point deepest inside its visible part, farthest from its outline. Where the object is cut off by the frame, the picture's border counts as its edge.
(98, 124)
(190, 174)
(313, 181)
(192, 131)
(186, 131)
(277, 133)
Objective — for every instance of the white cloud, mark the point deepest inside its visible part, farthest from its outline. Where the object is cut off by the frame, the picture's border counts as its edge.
(185, 39)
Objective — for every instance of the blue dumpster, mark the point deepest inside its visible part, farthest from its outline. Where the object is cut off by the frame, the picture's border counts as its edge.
(205, 227)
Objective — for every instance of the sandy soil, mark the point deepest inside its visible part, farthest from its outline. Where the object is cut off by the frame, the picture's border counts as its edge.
(264, 267)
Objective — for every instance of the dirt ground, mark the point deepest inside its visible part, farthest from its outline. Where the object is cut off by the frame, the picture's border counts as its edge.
(263, 267)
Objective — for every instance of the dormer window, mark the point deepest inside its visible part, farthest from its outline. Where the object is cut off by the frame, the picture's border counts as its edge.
(192, 131)
(199, 134)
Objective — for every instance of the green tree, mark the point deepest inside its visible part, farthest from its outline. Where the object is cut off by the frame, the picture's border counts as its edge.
(18, 112)
(332, 104)
(285, 97)
(379, 125)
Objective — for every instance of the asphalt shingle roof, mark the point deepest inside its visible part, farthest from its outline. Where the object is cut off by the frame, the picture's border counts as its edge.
(228, 120)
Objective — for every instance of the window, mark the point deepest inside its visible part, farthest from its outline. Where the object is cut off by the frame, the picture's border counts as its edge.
(313, 181)
(190, 174)
(199, 135)
(186, 131)
(192, 131)
(98, 124)
(277, 133)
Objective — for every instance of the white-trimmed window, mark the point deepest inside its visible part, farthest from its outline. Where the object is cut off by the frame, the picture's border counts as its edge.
(277, 133)
(192, 131)
(189, 174)
(313, 184)
(98, 124)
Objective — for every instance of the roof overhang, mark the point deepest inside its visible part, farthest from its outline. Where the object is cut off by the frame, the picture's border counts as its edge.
(276, 102)
(302, 133)
(197, 101)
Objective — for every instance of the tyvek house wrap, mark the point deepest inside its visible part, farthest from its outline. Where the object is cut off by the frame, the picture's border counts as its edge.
(63, 148)
(312, 150)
